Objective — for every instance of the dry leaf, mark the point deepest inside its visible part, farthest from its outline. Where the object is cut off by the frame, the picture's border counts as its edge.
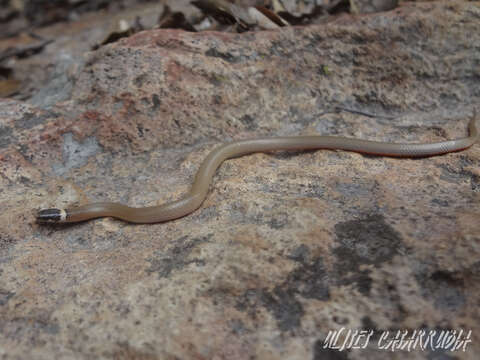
(9, 85)
(245, 17)
(257, 18)
(174, 20)
(272, 16)
(121, 29)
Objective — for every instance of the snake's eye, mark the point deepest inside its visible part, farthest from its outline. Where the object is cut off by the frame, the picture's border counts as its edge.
(49, 216)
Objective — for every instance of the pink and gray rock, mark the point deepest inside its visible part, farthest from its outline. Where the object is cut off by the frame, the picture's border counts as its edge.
(287, 246)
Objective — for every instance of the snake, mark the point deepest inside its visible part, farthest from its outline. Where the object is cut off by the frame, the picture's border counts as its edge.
(199, 189)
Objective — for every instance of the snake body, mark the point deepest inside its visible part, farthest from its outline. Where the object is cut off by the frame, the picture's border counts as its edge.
(198, 192)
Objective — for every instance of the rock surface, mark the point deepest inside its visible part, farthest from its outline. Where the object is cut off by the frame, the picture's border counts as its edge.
(287, 246)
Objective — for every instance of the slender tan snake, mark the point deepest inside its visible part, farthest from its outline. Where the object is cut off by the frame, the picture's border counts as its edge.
(198, 192)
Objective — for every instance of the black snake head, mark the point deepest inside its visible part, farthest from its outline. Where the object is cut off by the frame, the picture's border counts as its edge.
(50, 216)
